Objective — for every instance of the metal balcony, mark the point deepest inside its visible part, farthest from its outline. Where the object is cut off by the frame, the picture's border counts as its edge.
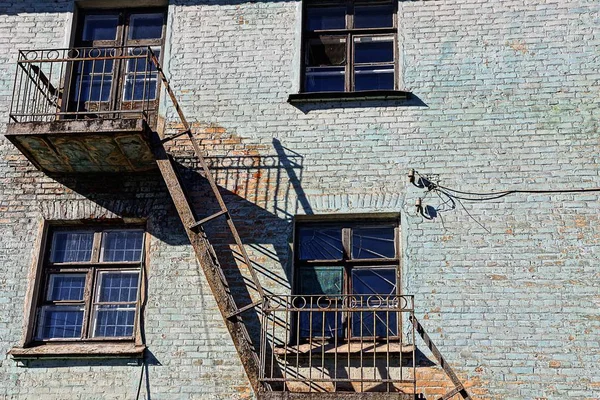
(348, 343)
(85, 109)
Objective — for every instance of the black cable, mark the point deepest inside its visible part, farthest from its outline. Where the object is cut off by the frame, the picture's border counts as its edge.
(468, 213)
(497, 195)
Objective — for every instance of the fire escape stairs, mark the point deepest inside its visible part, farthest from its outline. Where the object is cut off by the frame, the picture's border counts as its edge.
(209, 262)
(205, 253)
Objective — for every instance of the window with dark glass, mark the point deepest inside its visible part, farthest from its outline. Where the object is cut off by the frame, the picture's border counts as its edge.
(348, 264)
(107, 78)
(349, 45)
(90, 285)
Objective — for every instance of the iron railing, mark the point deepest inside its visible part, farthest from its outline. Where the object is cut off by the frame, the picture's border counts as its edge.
(338, 343)
(82, 83)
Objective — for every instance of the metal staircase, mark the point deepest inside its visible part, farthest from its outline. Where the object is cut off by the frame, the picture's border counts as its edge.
(59, 138)
(204, 251)
(209, 262)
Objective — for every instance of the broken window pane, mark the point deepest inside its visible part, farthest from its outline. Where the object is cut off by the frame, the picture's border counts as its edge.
(326, 51)
(321, 280)
(320, 243)
(72, 247)
(373, 242)
(318, 18)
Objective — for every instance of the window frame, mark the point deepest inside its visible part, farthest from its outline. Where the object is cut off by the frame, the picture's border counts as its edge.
(116, 98)
(350, 33)
(46, 268)
(348, 222)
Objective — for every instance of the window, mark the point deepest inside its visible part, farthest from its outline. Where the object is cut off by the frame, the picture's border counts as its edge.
(350, 265)
(115, 73)
(90, 285)
(350, 45)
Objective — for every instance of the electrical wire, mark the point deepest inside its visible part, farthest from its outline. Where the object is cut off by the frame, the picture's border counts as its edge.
(454, 195)
(496, 195)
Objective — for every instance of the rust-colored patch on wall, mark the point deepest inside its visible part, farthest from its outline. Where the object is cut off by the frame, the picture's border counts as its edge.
(252, 171)
(434, 383)
(518, 46)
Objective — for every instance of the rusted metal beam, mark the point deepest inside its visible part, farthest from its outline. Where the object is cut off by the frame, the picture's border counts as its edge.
(245, 308)
(174, 136)
(208, 262)
(207, 173)
(460, 389)
(203, 221)
(452, 393)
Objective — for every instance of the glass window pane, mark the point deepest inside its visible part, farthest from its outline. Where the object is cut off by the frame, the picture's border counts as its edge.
(139, 88)
(93, 79)
(374, 16)
(97, 65)
(60, 322)
(321, 280)
(365, 284)
(381, 281)
(373, 49)
(141, 77)
(321, 323)
(72, 246)
(327, 50)
(374, 78)
(118, 286)
(100, 27)
(114, 320)
(122, 246)
(373, 242)
(93, 88)
(66, 287)
(325, 18)
(146, 26)
(320, 243)
(332, 79)
(375, 323)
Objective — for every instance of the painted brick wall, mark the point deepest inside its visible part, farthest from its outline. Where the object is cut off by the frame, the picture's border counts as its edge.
(507, 97)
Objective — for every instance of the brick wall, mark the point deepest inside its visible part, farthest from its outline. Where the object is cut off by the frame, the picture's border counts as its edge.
(506, 96)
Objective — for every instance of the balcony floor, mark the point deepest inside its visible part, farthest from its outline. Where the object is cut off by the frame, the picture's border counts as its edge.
(85, 146)
(335, 396)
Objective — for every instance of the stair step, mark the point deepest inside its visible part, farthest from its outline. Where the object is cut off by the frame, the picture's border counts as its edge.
(175, 136)
(203, 221)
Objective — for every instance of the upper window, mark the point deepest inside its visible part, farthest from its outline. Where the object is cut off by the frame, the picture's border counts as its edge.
(90, 285)
(114, 72)
(350, 45)
(353, 264)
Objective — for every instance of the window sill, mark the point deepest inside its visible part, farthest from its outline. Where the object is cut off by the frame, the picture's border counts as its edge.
(379, 348)
(348, 96)
(79, 350)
